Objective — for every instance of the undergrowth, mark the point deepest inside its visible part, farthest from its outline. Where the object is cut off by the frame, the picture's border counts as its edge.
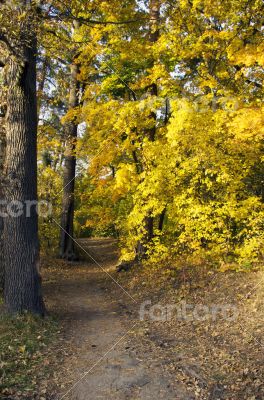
(24, 345)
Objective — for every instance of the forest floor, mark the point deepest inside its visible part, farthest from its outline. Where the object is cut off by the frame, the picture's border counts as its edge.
(111, 354)
(108, 343)
(105, 356)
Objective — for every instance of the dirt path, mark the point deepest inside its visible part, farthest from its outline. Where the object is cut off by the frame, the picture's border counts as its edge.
(108, 353)
(107, 360)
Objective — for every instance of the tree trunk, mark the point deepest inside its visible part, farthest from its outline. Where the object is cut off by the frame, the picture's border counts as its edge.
(67, 248)
(42, 80)
(154, 13)
(22, 290)
(161, 219)
(3, 86)
(2, 157)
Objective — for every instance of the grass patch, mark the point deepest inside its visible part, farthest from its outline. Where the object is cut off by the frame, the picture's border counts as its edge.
(24, 361)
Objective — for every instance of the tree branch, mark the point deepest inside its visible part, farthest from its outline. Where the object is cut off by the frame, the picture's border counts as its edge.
(60, 16)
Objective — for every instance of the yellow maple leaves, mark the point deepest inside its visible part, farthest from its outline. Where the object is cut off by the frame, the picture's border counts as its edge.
(197, 90)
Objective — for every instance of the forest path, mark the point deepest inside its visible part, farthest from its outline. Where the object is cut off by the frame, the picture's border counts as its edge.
(107, 360)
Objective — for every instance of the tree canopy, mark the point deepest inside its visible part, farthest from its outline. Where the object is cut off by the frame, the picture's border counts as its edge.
(170, 124)
(200, 174)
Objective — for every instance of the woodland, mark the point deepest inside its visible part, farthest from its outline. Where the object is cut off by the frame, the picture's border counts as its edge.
(135, 120)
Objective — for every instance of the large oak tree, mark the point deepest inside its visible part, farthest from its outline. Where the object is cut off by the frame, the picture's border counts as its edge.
(22, 290)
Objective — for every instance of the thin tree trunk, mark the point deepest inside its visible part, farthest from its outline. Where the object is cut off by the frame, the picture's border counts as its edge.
(42, 80)
(67, 248)
(161, 219)
(22, 290)
(154, 13)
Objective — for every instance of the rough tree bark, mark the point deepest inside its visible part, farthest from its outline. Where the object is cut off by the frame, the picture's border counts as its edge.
(3, 59)
(22, 290)
(67, 248)
(2, 157)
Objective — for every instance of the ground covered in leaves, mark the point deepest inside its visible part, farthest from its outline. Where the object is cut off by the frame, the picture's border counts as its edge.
(25, 355)
(216, 355)
(170, 332)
